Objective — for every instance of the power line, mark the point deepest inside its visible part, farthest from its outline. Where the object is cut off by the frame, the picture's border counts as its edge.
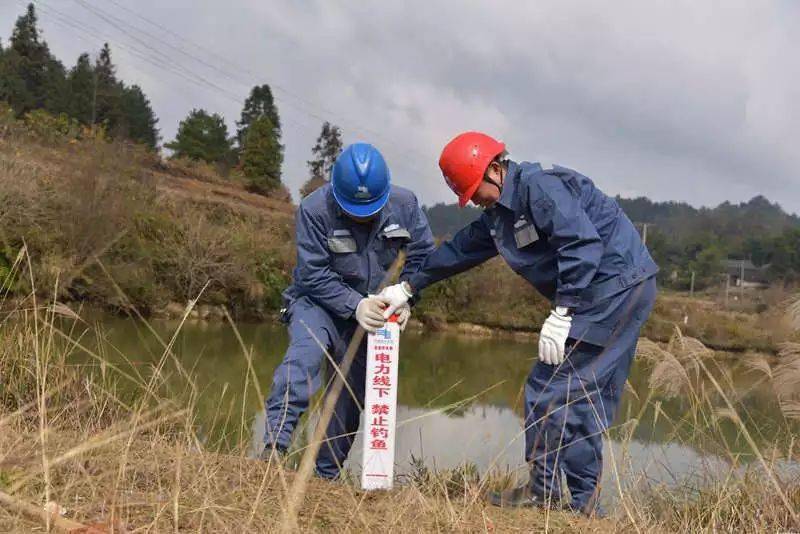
(74, 26)
(159, 59)
(163, 61)
(80, 31)
(289, 95)
(78, 28)
(180, 50)
(254, 76)
(109, 19)
(67, 22)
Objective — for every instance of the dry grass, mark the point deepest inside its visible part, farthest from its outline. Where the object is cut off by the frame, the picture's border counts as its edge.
(159, 237)
(132, 461)
(755, 492)
(163, 483)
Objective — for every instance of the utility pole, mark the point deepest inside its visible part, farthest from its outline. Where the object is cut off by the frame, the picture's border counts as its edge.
(741, 280)
(644, 230)
(727, 287)
(94, 100)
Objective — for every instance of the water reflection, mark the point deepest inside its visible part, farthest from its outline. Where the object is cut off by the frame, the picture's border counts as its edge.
(437, 373)
(491, 438)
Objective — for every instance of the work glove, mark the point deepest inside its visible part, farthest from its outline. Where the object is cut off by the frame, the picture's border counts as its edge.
(553, 336)
(369, 313)
(397, 295)
(403, 315)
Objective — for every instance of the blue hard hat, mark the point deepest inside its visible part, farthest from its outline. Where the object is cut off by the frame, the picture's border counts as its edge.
(360, 180)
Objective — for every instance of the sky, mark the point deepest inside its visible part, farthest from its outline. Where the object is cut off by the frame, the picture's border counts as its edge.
(695, 101)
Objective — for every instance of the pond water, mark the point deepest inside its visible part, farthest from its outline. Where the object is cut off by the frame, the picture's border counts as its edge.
(460, 401)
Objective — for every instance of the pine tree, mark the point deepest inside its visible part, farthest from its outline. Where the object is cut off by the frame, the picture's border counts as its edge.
(139, 119)
(81, 87)
(31, 78)
(56, 90)
(6, 83)
(109, 91)
(33, 74)
(325, 152)
(259, 104)
(262, 155)
(202, 137)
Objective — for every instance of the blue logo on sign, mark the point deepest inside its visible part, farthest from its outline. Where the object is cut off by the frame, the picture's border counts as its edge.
(384, 333)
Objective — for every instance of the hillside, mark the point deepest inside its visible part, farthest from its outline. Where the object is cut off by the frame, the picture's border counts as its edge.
(757, 218)
(111, 223)
(683, 238)
(447, 219)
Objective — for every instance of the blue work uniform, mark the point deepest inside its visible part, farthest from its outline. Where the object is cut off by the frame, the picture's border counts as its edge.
(339, 262)
(575, 245)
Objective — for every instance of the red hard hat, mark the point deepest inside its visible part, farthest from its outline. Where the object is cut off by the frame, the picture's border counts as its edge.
(464, 161)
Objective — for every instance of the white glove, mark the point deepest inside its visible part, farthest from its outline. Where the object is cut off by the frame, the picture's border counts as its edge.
(369, 312)
(403, 315)
(553, 336)
(397, 295)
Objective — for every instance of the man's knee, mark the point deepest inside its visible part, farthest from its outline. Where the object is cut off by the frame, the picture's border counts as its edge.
(311, 334)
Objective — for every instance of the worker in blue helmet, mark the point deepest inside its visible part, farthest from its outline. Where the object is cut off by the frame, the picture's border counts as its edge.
(349, 232)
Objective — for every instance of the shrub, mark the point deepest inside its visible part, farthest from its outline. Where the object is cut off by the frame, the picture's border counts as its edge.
(7, 119)
(274, 279)
(51, 128)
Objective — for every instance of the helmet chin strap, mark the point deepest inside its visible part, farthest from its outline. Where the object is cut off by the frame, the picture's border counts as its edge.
(498, 186)
(363, 220)
(502, 174)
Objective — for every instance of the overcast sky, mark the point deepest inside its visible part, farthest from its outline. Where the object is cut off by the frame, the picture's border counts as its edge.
(676, 100)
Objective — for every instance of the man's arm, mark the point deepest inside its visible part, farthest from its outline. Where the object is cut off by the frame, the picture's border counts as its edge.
(578, 245)
(471, 246)
(421, 243)
(314, 274)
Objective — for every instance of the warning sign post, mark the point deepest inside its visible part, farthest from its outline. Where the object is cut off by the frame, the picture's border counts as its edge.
(380, 407)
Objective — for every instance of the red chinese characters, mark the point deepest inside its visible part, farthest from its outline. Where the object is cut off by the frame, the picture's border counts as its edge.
(380, 409)
(377, 432)
(381, 385)
(381, 380)
(379, 421)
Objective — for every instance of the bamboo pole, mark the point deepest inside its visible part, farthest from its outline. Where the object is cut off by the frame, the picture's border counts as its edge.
(48, 518)
(297, 491)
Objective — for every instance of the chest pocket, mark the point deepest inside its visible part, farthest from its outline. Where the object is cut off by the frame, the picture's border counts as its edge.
(344, 253)
(393, 239)
(525, 233)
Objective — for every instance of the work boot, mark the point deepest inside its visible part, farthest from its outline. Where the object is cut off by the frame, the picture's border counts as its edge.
(275, 453)
(592, 512)
(521, 497)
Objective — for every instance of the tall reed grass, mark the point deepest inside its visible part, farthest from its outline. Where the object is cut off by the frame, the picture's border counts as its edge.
(116, 447)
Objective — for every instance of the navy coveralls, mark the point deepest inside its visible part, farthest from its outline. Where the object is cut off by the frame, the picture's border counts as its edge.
(576, 246)
(339, 261)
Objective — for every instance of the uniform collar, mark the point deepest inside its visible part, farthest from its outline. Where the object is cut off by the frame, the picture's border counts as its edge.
(510, 183)
(508, 196)
(383, 216)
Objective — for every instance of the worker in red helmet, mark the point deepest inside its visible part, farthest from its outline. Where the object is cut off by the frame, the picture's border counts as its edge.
(574, 244)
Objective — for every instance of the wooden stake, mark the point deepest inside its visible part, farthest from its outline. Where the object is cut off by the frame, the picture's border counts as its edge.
(37, 513)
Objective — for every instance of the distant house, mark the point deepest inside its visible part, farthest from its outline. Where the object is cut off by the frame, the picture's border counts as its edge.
(754, 277)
